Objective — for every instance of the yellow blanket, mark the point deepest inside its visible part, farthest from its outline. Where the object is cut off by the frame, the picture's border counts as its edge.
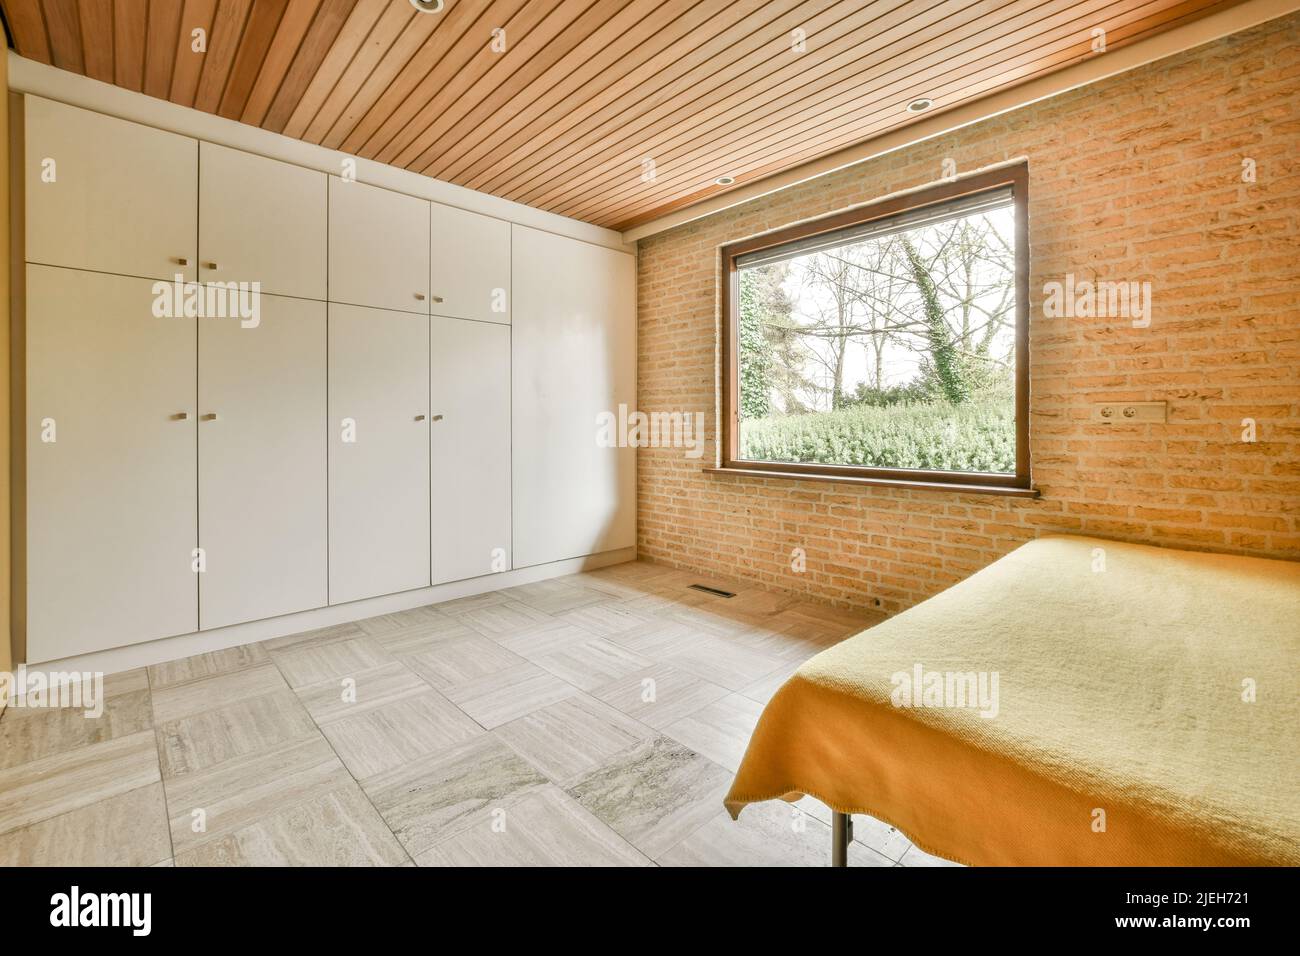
(1143, 710)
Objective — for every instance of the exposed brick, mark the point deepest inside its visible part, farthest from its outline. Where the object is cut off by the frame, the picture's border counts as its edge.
(1135, 178)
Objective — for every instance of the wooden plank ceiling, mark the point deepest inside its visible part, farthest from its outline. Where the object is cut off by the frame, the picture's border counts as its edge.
(564, 108)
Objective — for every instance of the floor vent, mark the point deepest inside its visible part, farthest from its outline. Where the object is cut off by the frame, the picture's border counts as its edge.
(708, 590)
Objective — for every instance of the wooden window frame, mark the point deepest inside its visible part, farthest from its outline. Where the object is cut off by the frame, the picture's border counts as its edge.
(1019, 484)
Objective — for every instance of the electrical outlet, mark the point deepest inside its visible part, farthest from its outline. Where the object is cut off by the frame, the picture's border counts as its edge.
(1129, 412)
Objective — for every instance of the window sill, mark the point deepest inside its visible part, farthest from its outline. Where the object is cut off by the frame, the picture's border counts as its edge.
(955, 487)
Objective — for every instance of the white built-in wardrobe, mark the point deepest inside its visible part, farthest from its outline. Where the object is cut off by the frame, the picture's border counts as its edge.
(416, 403)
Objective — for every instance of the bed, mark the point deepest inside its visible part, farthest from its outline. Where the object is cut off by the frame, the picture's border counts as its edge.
(1096, 703)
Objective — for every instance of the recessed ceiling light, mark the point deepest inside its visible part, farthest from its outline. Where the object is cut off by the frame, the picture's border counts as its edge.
(920, 106)
(428, 6)
(724, 180)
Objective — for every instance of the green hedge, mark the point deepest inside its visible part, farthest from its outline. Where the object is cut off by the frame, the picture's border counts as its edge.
(976, 436)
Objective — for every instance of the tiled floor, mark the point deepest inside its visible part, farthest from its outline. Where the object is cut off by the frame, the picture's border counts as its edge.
(592, 719)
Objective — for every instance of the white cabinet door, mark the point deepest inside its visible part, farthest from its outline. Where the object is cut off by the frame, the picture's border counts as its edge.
(469, 265)
(262, 463)
(262, 221)
(379, 247)
(379, 452)
(108, 195)
(574, 358)
(111, 497)
(470, 448)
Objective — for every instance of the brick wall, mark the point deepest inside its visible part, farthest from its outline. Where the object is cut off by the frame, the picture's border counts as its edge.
(1137, 178)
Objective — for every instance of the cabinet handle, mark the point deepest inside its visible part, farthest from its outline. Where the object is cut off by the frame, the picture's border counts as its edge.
(419, 418)
(437, 418)
(181, 417)
(419, 296)
(211, 266)
(436, 298)
(210, 417)
(181, 261)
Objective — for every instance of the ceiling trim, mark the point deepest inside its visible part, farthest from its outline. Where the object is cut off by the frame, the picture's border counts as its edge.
(1173, 41)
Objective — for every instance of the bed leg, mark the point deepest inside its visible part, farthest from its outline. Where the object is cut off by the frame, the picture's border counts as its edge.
(841, 836)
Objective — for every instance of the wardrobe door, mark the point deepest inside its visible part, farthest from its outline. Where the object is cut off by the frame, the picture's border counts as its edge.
(108, 195)
(469, 448)
(262, 221)
(378, 247)
(469, 265)
(263, 463)
(574, 359)
(379, 452)
(111, 477)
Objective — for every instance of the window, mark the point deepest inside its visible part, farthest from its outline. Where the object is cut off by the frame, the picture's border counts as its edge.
(886, 344)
